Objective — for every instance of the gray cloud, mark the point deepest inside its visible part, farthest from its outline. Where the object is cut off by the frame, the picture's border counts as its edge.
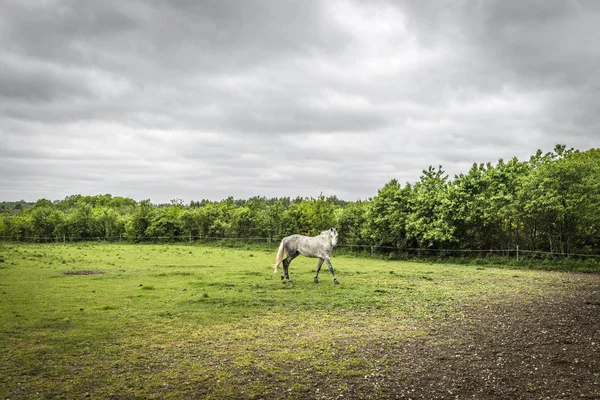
(213, 99)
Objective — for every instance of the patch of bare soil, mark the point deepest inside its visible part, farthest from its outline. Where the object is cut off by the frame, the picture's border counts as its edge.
(85, 272)
(548, 348)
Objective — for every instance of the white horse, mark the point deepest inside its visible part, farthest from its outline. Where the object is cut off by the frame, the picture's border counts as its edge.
(310, 246)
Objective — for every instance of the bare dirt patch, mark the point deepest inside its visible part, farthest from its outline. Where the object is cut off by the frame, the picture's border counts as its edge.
(85, 272)
(545, 348)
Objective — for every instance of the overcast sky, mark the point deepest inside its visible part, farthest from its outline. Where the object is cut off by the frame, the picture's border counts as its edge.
(209, 99)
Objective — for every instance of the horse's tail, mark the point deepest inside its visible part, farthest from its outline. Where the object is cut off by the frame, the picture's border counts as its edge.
(279, 257)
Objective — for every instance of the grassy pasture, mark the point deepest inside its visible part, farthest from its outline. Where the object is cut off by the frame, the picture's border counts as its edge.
(177, 321)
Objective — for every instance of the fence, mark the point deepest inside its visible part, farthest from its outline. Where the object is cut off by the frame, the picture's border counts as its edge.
(515, 254)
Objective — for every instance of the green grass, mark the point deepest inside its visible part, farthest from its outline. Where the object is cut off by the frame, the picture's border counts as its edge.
(177, 321)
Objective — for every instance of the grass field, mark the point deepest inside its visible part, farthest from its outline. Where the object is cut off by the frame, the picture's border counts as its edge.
(177, 321)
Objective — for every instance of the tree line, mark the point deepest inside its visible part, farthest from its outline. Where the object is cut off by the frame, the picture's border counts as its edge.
(550, 202)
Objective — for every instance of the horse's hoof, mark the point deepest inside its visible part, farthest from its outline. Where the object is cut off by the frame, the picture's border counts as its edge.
(316, 280)
(336, 282)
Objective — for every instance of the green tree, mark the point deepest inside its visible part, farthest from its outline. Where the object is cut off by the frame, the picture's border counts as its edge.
(42, 225)
(109, 222)
(274, 215)
(352, 223)
(250, 219)
(324, 214)
(3, 228)
(190, 221)
(559, 201)
(21, 227)
(482, 204)
(387, 215)
(61, 225)
(242, 222)
(165, 223)
(428, 221)
(136, 226)
(295, 221)
(81, 222)
(309, 216)
(207, 216)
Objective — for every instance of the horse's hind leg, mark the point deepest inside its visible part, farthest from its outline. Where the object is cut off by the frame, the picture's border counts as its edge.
(284, 273)
(318, 269)
(331, 269)
(286, 264)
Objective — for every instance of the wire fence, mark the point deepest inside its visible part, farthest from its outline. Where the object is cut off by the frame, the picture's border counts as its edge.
(270, 242)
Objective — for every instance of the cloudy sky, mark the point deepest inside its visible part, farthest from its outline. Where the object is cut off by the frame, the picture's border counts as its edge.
(209, 99)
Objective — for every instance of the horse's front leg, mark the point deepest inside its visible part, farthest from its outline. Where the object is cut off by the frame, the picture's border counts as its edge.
(318, 269)
(331, 269)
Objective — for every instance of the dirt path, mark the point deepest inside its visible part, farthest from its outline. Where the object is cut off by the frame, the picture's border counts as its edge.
(546, 349)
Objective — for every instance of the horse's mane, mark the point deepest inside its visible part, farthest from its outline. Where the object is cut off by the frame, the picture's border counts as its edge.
(330, 234)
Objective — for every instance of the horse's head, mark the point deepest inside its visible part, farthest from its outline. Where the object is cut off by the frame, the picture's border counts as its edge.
(334, 236)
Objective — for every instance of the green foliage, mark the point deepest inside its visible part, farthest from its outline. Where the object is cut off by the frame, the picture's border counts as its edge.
(483, 207)
(136, 226)
(109, 222)
(560, 202)
(309, 216)
(165, 222)
(81, 221)
(549, 203)
(20, 226)
(428, 223)
(13, 207)
(352, 223)
(387, 215)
